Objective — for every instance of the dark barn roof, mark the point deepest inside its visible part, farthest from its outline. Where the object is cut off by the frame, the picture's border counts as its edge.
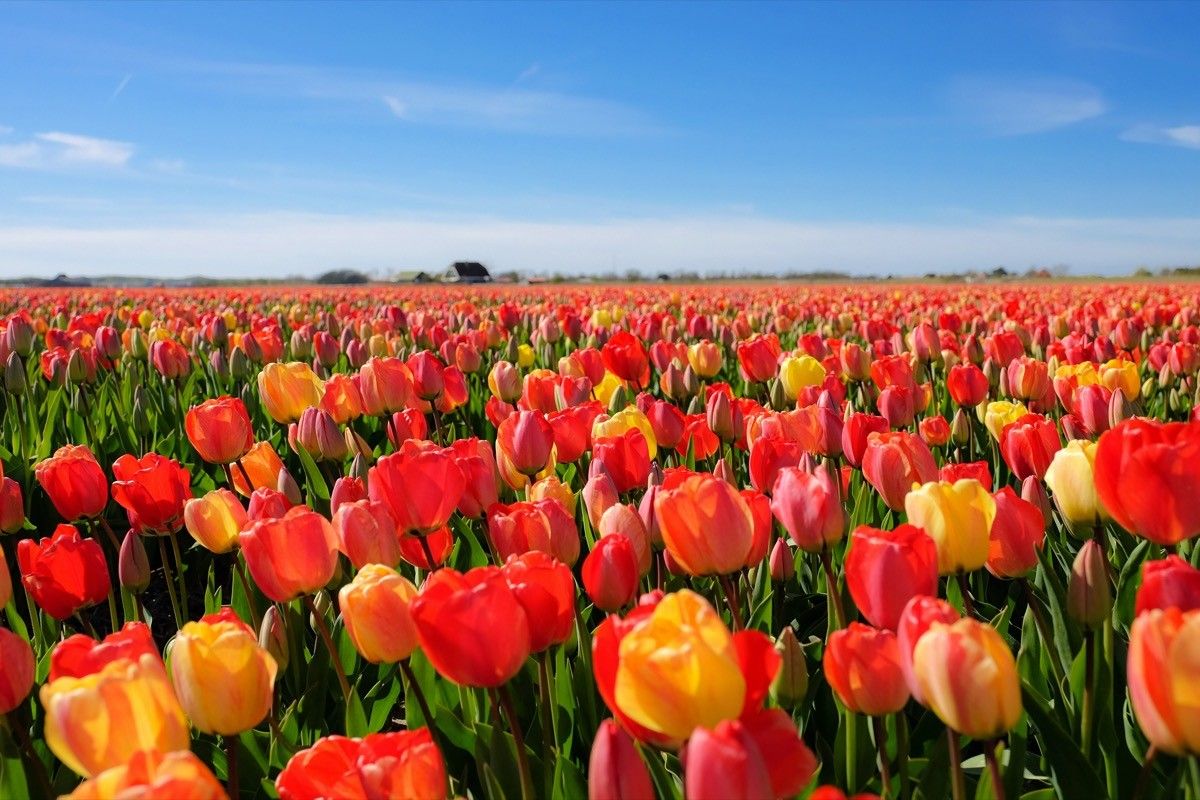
(470, 271)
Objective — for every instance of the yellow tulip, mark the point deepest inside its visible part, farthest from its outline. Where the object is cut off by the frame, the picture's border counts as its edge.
(101, 720)
(1071, 478)
(375, 609)
(224, 680)
(627, 419)
(524, 356)
(606, 388)
(286, 390)
(998, 413)
(958, 517)
(798, 372)
(1121, 374)
(1084, 373)
(968, 677)
(551, 488)
(706, 358)
(215, 520)
(153, 774)
(678, 670)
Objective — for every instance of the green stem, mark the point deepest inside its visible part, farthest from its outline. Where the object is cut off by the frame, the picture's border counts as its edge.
(731, 599)
(183, 590)
(885, 774)
(1043, 629)
(831, 587)
(327, 638)
(965, 590)
(406, 668)
(239, 569)
(29, 757)
(547, 721)
(504, 700)
(993, 767)
(169, 579)
(851, 751)
(957, 782)
(1088, 717)
(902, 754)
(1144, 775)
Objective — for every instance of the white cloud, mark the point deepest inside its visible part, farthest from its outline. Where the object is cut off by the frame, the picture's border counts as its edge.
(57, 150)
(1178, 136)
(279, 244)
(396, 106)
(120, 86)
(1007, 107)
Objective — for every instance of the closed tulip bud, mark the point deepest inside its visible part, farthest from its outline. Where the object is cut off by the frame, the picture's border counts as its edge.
(960, 428)
(318, 435)
(791, 682)
(610, 573)
(723, 472)
(360, 467)
(616, 770)
(783, 562)
(958, 517)
(239, 363)
(133, 565)
(862, 666)
(20, 335)
(18, 671)
(286, 485)
(968, 678)
(1070, 477)
(272, 636)
(599, 493)
(375, 608)
(1089, 596)
(14, 375)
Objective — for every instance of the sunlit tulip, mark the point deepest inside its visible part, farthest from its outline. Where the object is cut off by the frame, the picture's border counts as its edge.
(525, 440)
(153, 775)
(725, 762)
(758, 358)
(545, 589)
(678, 669)
(625, 356)
(421, 489)
(79, 655)
(366, 533)
(290, 556)
(624, 457)
(1144, 478)
(404, 764)
(967, 384)
(809, 507)
(342, 399)
(153, 490)
(968, 677)
(259, 468)
(215, 520)
(1070, 478)
(285, 390)
(705, 358)
(101, 720)
(893, 462)
(706, 525)
(797, 372)
(1029, 444)
(64, 572)
(958, 517)
(375, 608)
(1120, 375)
(223, 679)
(862, 666)
(625, 521)
(855, 434)
(220, 429)
(999, 414)
(480, 480)
(75, 482)
(886, 569)
(1162, 671)
(471, 626)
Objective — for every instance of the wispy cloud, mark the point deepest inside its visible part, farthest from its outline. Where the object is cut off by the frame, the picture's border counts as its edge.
(1177, 136)
(1014, 107)
(530, 71)
(120, 87)
(5, 129)
(283, 243)
(58, 150)
(505, 108)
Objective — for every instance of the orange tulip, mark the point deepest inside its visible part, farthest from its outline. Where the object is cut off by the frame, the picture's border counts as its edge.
(367, 533)
(290, 556)
(862, 665)
(153, 775)
(893, 462)
(706, 525)
(261, 465)
(215, 520)
(287, 389)
(386, 386)
(375, 608)
(420, 488)
(220, 429)
(1162, 672)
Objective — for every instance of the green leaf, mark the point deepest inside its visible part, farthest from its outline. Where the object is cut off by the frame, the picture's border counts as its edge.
(356, 716)
(1073, 775)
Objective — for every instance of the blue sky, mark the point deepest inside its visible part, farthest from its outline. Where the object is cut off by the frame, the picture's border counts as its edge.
(273, 138)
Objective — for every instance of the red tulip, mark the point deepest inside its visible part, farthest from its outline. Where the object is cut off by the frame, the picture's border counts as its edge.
(78, 656)
(616, 770)
(935, 431)
(974, 470)
(626, 458)
(1146, 480)
(64, 573)
(366, 533)
(758, 357)
(1029, 444)
(967, 384)
(525, 440)
(153, 490)
(480, 481)
(725, 762)
(610, 573)
(12, 506)
(1018, 533)
(862, 666)
(420, 488)
(427, 374)
(1168, 583)
(572, 429)
(75, 482)
(809, 507)
(768, 456)
(545, 589)
(856, 432)
(920, 613)
(625, 356)
(472, 627)
(404, 764)
(17, 671)
(886, 569)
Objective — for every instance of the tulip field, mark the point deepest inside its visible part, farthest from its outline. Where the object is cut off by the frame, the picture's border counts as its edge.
(605, 541)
